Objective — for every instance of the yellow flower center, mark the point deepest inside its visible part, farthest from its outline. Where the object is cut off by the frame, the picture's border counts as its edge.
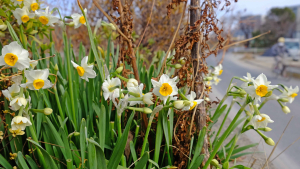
(80, 70)
(262, 119)
(209, 87)
(208, 82)
(261, 90)
(294, 95)
(194, 104)
(25, 18)
(82, 20)
(10, 59)
(20, 122)
(34, 6)
(165, 89)
(220, 72)
(217, 80)
(44, 20)
(38, 83)
(20, 0)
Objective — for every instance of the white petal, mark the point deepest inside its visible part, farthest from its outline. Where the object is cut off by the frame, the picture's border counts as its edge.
(74, 64)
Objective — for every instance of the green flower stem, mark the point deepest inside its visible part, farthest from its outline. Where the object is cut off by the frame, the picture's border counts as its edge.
(256, 111)
(22, 107)
(280, 103)
(169, 106)
(58, 104)
(37, 110)
(119, 126)
(68, 57)
(135, 99)
(146, 136)
(221, 102)
(34, 138)
(221, 140)
(182, 95)
(231, 148)
(113, 88)
(121, 77)
(263, 103)
(134, 94)
(223, 122)
(261, 134)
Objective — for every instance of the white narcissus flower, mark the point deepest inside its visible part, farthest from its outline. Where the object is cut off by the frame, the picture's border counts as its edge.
(290, 93)
(147, 98)
(165, 88)
(261, 121)
(37, 79)
(11, 92)
(85, 71)
(46, 18)
(31, 4)
(192, 103)
(218, 70)
(79, 19)
(110, 88)
(248, 78)
(17, 2)
(17, 79)
(132, 83)
(22, 15)
(19, 122)
(16, 102)
(208, 84)
(261, 86)
(216, 80)
(33, 63)
(138, 90)
(13, 55)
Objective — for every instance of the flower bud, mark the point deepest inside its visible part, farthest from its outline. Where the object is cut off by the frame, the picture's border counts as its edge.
(2, 34)
(182, 61)
(71, 24)
(122, 96)
(147, 110)
(3, 26)
(178, 104)
(286, 109)
(225, 165)
(208, 78)
(269, 141)
(215, 163)
(132, 83)
(283, 100)
(48, 111)
(178, 66)
(187, 102)
(266, 129)
(76, 133)
(269, 94)
(207, 99)
(56, 67)
(119, 69)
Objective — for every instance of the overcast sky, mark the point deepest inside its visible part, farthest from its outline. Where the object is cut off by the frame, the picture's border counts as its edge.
(262, 6)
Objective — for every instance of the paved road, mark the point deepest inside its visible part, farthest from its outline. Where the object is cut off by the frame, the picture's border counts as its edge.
(290, 159)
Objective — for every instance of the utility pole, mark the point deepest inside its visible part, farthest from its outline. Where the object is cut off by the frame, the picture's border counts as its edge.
(198, 82)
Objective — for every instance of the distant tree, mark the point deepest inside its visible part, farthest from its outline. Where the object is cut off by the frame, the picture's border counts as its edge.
(281, 23)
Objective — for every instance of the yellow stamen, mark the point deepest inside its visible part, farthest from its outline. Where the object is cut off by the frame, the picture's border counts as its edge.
(20, 0)
(80, 70)
(194, 105)
(44, 20)
(165, 89)
(82, 20)
(262, 119)
(294, 95)
(10, 59)
(38, 83)
(34, 6)
(25, 18)
(220, 72)
(261, 90)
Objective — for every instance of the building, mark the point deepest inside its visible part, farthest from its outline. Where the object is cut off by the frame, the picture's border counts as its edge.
(296, 10)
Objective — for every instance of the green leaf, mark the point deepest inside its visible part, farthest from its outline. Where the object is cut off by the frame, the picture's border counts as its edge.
(132, 150)
(102, 123)
(242, 154)
(197, 162)
(49, 161)
(199, 145)
(22, 161)
(82, 141)
(5, 163)
(158, 138)
(101, 161)
(143, 161)
(216, 116)
(237, 150)
(13, 33)
(2, 13)
(120, 146)
(239, 167)
(31, 162)
(92, 156)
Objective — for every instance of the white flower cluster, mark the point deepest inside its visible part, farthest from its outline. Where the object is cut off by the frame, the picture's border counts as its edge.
(260, 88)
(165, 89)
(14, 56)
(213, 76)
